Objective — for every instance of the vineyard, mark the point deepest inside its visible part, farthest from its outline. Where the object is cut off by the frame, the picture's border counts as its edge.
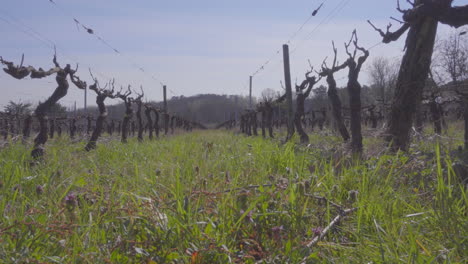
(315, 172)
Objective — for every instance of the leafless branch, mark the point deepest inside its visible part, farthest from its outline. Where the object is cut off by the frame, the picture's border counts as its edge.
(335, 51)
(22, 60)
(397, 20)
(390, 36)
(78, 82)
(324, 232)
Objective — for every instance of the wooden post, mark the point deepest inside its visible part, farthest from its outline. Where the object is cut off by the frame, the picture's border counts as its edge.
(166, 114)
(250, 92)
(287, 83)
(165, 98)
(85, 99)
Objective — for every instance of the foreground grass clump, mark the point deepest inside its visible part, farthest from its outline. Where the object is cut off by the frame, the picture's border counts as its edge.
(191, 199)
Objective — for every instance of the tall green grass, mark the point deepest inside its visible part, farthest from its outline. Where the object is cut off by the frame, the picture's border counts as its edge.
(189, 199)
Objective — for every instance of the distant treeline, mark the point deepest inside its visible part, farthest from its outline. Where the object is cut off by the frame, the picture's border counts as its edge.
(211, 109)
(203, 108)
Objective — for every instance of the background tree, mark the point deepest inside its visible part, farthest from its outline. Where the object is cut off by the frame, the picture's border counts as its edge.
(383, 74)
(16, 112)
(319, 98)
(56, 110)
(269, 95)
(452, 56)
(18, 109)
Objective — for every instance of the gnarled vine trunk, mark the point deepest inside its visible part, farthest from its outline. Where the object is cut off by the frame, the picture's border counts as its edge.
(354, 89)
(27, 127)
(336, 107)
(52, 128)
(139, 120)
(414, 71)
(465, 117)
(43, 108)
(99, 122)
(149, 121)
(125, 123)
(156, 122)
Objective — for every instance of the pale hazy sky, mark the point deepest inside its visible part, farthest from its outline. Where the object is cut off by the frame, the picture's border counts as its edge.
(203, 46)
